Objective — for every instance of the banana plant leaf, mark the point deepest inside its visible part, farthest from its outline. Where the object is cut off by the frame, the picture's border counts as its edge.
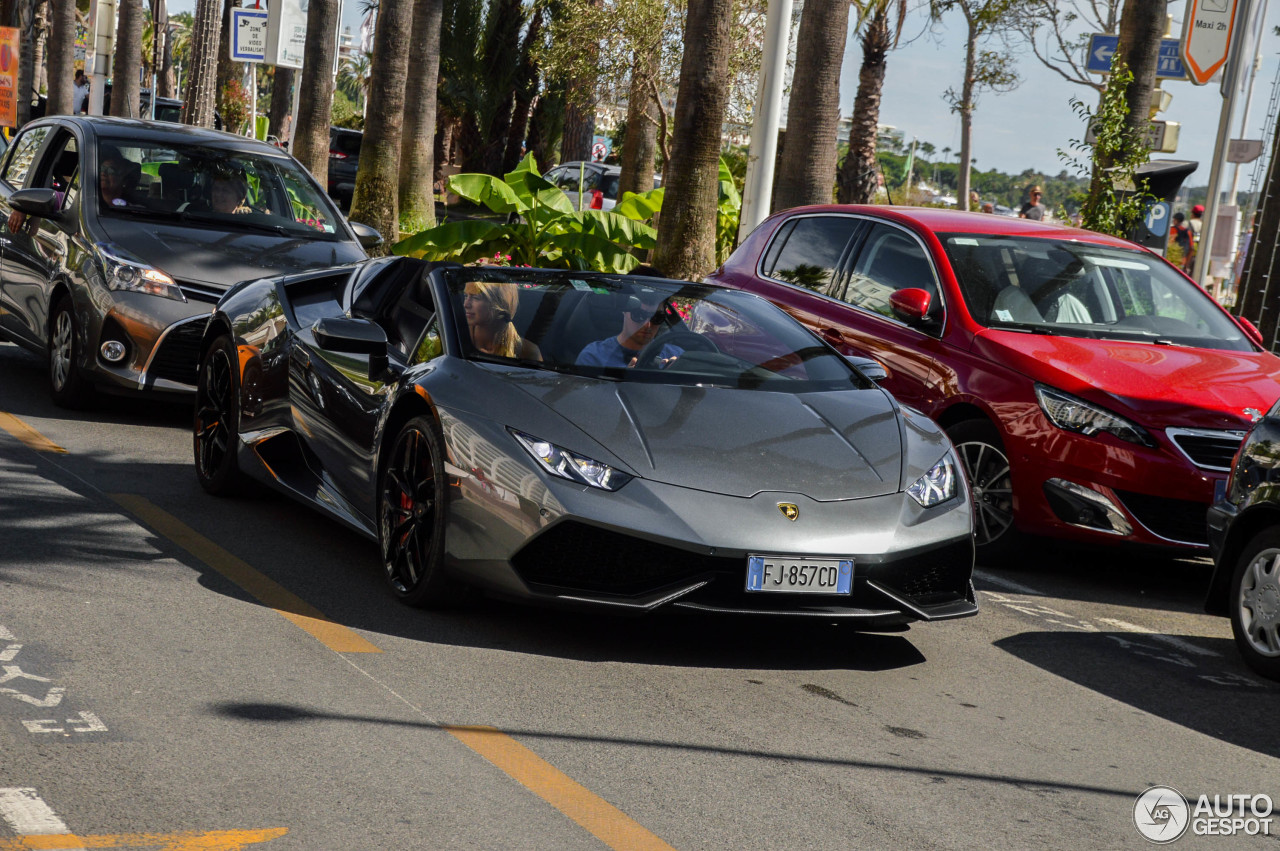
(617, 228)
(451, 240)
(728, 189)
(487, 190)
(594, 252)
(640, 207)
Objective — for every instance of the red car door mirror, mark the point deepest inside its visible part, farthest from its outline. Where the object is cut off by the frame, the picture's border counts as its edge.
(911, 304)
(1251, 331)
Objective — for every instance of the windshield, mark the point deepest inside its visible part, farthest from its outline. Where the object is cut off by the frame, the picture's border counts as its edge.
(229, 190)
(1076, 289)
(622, 328)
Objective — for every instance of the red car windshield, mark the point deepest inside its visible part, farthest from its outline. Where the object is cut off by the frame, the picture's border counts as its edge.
(1075, 289)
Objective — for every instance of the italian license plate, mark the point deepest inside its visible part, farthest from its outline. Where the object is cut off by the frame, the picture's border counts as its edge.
(800, 574)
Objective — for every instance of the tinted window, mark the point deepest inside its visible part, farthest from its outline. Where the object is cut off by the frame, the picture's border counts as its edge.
(609, 186)
(347, 144)
(567, 178)
(890, 260)
(24, 153)
(811, 254)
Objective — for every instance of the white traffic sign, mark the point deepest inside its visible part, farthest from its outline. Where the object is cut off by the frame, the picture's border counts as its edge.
(1243, 150)
(248, 35)
(1206, 37)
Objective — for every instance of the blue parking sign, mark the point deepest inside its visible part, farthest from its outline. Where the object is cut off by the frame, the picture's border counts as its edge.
(1157, 219)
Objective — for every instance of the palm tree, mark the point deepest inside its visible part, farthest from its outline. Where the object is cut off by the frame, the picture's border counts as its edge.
(807, 166)
(417, 145)
(687, 228)
(61, 58)
(202, 75)
(353, 77)
(377, 196)
(125, 91)
(315, 90)
(858, 173)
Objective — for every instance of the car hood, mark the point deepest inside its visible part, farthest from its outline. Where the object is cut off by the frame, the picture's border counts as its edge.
(219, 259)
(827, 446)
(1159, 386)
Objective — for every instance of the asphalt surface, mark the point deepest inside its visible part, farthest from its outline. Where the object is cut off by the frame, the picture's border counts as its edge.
(184, 672)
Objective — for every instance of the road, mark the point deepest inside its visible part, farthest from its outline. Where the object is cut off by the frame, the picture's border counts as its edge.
(186, 672)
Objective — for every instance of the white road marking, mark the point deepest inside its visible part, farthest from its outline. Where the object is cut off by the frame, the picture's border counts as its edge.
(51, 699)
(10, 652)
(5, 635)
(1172, 640)
(1007, 584)
(85, 722)
(28, 815)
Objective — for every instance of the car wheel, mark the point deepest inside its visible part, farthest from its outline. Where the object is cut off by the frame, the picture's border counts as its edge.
(1255, 604)
(411, 517)
(215, 430)
(67, 384)
(982, 453)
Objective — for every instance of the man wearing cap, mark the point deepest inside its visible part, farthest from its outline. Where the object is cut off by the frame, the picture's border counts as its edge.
(1033, 209)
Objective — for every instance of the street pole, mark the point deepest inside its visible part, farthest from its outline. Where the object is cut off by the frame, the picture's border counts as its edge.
(1230, 74)
(757, 189)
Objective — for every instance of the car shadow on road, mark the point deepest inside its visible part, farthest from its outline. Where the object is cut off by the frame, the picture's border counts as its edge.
(1216, 695)
(1141, 578)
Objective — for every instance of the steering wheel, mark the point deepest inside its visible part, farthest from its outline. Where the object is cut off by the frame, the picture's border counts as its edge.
(677, 337)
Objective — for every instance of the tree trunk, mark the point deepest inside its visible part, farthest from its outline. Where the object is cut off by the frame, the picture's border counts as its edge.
(858, 174)
(125, 90)
(40, 46)
(687, 228)
(526, 90)
(61, 62)
(202, 77)
(641, 142)
(501, 52)
(579, 122)
(417, 147)
(315, 93)
(228, 70)
(546, 125)
(24, 18)
(281, 101)
(966, 114)
(376, 201)
(807, 172)
(164, 61)
(1141, 30)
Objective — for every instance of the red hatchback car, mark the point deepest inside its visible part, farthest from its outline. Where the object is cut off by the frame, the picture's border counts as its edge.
(1092, 390)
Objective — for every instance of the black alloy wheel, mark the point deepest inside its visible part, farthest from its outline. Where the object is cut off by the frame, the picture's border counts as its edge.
(990, 483)
(411, 517)
(1255, 604)
(67, 384)
(215, 430)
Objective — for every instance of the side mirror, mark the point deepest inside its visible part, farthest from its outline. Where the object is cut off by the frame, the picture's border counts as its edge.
(1251, 331)
(368, 237)
(870, 367)
(354, 336)
(36, 202)
(910, 304)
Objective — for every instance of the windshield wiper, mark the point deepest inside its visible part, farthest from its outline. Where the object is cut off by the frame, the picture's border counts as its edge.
(1025, 328)
(233, 221)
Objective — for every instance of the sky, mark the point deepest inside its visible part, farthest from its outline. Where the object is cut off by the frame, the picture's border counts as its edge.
(1025, 128)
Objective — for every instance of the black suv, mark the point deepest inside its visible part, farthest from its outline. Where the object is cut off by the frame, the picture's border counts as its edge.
(344, 160)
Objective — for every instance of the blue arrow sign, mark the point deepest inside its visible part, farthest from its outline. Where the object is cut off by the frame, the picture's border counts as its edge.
(1103, 46)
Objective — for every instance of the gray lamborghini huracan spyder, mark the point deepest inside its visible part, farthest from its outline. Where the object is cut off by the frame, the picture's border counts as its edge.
(587, 440)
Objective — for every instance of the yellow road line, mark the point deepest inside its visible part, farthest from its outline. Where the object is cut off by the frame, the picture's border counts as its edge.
(27, 434)
(194, 840)
(596, 815)
(265, 590)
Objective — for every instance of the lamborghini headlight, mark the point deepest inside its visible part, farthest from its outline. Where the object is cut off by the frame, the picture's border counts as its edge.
(1070, 413)
(570, 465)
(123, 271)
(936, 486)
